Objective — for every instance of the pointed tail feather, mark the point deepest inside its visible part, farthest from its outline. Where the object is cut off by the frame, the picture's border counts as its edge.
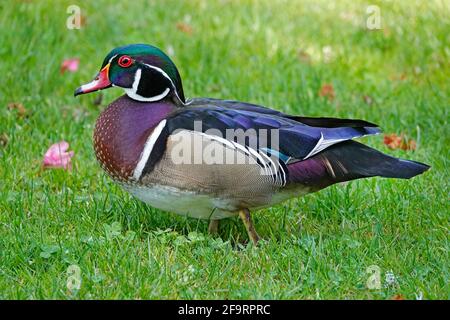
(351, 160)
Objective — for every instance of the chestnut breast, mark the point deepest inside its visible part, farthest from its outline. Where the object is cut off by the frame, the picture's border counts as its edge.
(121, 132)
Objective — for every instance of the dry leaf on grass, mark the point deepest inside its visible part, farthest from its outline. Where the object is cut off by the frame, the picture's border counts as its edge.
(21, 110)
(83, 21)
(327, 91)
(185, 28)
(4, 139)
(393, 141)
(304, 56)
(368, 100)
(398, 77)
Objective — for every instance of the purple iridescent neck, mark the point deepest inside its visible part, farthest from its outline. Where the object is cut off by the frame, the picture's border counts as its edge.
(122, 130)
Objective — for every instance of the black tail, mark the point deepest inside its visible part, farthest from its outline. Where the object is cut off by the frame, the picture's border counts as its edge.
(352, 160)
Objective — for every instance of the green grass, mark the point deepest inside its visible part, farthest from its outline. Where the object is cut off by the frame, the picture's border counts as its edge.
(318, 246)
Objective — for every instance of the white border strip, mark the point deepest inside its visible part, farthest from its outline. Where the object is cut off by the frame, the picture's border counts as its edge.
(151, 140)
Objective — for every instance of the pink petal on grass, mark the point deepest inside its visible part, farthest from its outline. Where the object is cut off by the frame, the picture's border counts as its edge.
(58, 157)
(70, 65)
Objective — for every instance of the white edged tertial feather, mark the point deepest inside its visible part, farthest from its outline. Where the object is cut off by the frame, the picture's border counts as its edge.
(278, 168)
(266, 163)
(322, 144)
(219, 139)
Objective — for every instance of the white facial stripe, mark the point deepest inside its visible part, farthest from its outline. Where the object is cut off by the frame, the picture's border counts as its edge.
(162, 72)
(151, 140)
(132, 92)
(166, 76)
(112, 58)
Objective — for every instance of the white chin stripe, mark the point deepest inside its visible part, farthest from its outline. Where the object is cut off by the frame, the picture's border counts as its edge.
(148, 147)
(137, 97)
(132, 92)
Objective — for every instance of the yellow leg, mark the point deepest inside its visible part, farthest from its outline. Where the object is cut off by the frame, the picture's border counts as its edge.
(244, 214)
(213, 227)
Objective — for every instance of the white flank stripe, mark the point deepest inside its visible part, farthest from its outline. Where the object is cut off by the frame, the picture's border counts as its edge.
(218, 139)
(257, 156)
(277, 167)
(240, 147)
(148, 149)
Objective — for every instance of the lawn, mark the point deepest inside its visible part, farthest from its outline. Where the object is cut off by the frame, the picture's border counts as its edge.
(310, 58)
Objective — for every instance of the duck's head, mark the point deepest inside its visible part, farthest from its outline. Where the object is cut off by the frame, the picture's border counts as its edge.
(143, 71)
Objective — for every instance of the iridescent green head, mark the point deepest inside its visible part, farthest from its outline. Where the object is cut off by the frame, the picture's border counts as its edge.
(143, 71)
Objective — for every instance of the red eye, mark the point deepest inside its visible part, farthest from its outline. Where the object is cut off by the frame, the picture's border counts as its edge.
(125, 61)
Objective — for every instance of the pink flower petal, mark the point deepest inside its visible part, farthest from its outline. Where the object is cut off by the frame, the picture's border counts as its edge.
(58, 157)
(70, 65)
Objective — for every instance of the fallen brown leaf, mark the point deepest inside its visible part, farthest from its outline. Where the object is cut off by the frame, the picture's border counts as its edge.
(398, 77)
(368, 100)
(83, 20)
(21, 110)
(327, 91)
(4, 139)
(398, 297)
(304, 57)
(393, 141)
(185, 28)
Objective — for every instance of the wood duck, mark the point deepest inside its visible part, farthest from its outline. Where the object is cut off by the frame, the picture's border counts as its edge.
(213, 159)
